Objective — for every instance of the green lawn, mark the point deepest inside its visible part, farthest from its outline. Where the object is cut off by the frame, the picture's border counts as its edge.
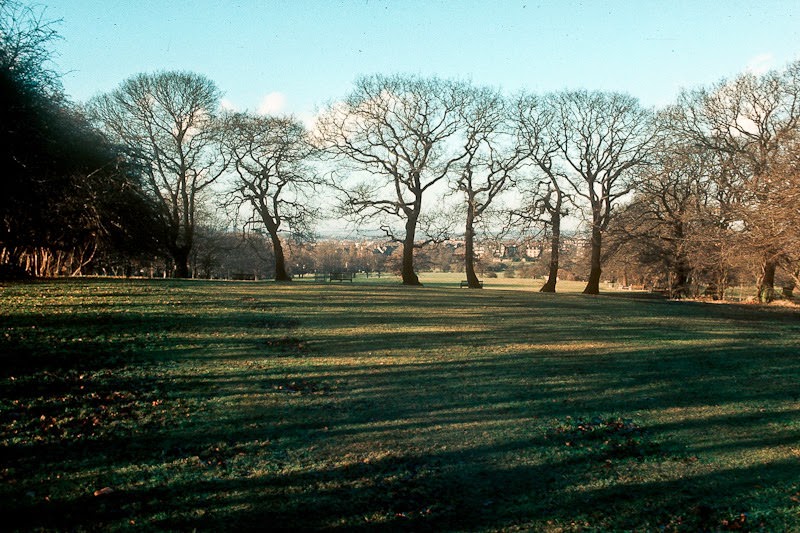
(366, 406)
(453, 279)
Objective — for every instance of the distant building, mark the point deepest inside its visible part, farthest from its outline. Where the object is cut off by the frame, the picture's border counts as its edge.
(533, 250)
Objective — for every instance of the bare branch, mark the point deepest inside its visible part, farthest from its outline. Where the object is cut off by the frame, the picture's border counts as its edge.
(395, 130)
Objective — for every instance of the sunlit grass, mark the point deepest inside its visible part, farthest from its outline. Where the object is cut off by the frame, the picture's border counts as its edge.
(222, 405)
(453, 279)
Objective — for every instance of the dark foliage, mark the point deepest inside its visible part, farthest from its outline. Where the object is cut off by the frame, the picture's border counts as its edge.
(65, 190)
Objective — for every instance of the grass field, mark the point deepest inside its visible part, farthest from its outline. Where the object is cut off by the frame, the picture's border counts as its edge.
(168, 405)
(453, 279)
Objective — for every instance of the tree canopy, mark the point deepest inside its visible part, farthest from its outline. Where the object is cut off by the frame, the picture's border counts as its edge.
(67, 194)
(165, 122)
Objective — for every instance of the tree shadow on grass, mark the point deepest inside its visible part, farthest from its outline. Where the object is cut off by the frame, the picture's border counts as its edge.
(330, 437)
(461, 490)
(474, 487)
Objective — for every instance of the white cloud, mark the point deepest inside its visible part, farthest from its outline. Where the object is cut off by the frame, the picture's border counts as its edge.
(272, 103)
(227, 105)
(308, 119)
(760, 64)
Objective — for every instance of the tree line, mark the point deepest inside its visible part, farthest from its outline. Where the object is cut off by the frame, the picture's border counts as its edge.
(68, 192)
(699, 193)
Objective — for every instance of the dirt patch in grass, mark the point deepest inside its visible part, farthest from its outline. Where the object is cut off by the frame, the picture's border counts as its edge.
(606, 439)
(284, 345)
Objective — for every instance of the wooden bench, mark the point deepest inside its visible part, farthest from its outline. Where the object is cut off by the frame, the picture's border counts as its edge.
(341, 276)
(465, 283)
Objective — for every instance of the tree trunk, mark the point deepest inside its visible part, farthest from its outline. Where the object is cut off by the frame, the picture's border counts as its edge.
(593, 286)
(407, 272)
(469, 248)
(280, 259)
(680, 280)
(681, 269)
(181, 258)
(555, 244)
(766, 282)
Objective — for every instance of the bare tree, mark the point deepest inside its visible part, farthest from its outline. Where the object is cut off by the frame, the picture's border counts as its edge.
(788, 204)
(165, 121)
(673, 220)
(25, 36)
(543, 196)
(602, 139)
(269, 156)
(394, 132)
(491, 157)
(751, 121)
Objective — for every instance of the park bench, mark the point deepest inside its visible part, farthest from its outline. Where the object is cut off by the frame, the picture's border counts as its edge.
(662, 291)
(320, 276)
(341, 276)
(465, 283)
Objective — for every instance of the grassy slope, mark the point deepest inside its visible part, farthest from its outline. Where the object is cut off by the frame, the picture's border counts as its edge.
(239, 405)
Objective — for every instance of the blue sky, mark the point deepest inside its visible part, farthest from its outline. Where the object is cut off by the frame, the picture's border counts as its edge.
(294, 55)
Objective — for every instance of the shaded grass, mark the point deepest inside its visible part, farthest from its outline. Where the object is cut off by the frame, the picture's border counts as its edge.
(212, 405)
